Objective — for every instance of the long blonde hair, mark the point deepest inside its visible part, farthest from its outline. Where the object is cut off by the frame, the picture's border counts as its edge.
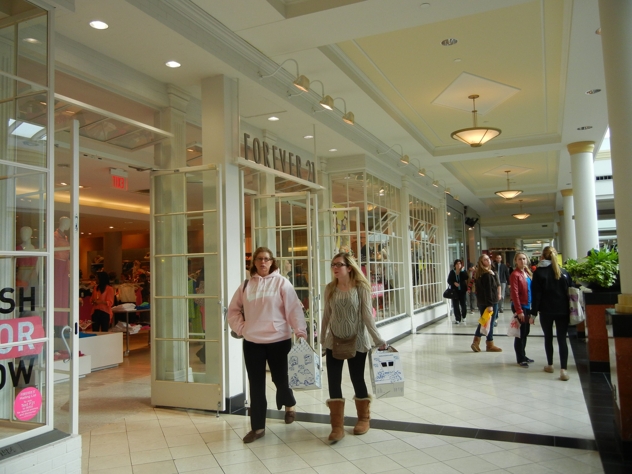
(549, 253)
(526, 267)
(356, 276)
(480, 269)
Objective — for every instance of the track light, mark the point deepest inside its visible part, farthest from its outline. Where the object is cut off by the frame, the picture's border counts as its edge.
(422, 172)
(327, 102)
(347, 117)
(301, 82)
(435, 183)
(405, 159)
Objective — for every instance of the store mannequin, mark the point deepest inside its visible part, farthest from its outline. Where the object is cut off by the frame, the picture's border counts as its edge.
(26, 266)
(62, 271)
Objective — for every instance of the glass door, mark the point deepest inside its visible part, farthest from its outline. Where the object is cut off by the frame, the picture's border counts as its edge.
(187, 320)
(287, 224)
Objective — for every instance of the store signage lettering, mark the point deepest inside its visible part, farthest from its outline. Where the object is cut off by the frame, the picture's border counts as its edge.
(15, 374)
(11, 302)
(289, 162)
(21, 330)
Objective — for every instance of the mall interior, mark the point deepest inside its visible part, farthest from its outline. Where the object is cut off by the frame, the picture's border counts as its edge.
(163, 141)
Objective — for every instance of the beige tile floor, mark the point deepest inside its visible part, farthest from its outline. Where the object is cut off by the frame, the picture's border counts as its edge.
(446, 383)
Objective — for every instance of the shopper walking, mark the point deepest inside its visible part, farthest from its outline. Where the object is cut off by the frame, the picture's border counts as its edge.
(487, 296)
(348, 320)
(102, 302)
(264, 311)
(503, 276)
(550, 298)
(520, 283)
(457, 279)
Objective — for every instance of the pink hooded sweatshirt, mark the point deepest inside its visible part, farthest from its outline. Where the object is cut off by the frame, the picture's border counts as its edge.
(270, 308)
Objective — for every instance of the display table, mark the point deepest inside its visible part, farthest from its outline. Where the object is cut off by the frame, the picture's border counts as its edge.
(146, 331)
(105, 349)
(62, 368)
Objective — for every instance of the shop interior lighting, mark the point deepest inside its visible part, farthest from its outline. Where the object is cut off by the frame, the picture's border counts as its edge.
(300, 82)
(326, 102)
(347, 117)
(173, 64)
(475, 136)
(508, 193)
(405, 159)
(521, 215)
(99, 25)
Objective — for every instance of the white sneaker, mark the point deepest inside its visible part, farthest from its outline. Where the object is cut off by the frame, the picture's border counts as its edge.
(563, 375)
(548, 368)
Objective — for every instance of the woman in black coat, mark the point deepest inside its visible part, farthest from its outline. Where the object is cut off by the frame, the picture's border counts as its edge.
(457, 279)
(549, 292)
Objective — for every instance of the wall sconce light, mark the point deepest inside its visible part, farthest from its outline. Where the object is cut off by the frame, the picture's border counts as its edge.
(326, 102)
(301, 82)
(405, 159)
(347, 117)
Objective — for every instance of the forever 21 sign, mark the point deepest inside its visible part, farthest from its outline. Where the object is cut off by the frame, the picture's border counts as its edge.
(289, 162)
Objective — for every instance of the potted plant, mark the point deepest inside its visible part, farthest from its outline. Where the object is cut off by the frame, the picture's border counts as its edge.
(599, 270)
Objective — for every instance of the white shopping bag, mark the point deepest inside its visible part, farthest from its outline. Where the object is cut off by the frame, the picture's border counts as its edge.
(303, 367)
(387, 376)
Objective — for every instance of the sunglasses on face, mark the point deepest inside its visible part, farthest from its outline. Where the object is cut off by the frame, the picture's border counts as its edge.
(338, 265)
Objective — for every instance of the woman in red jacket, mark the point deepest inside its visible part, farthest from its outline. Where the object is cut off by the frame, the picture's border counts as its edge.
(520, 281)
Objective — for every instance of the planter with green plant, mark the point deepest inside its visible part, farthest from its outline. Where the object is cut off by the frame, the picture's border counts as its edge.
(599, 270)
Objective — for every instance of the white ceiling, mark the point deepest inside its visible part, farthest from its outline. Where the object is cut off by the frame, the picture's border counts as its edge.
(531, 62)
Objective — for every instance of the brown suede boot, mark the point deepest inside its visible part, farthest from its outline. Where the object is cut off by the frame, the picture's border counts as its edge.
(476, 345)
(337, 417)
(363, 407)
(492, 348)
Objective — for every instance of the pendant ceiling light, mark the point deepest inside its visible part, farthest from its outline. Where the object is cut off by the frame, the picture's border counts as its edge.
(508, 193)
(521, 215)
(475, 136)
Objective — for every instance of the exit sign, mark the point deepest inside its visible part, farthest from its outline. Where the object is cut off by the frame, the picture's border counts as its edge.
(119, 182)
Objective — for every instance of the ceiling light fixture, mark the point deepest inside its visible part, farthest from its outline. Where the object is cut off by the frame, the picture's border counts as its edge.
(475, 136)
(435, 183)
(449, 42)
(521, 215)
(31, 40)
(300, 82)
(99, 25)
(333, 149)
(347, 117)
(326, 102)
(589, 92)
(173, 64)
(307, 137)
(585, 127)
(508, 193)
(405, 159)
(273, 119)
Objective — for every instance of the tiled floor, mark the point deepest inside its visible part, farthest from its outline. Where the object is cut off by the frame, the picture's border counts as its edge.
(447, 386)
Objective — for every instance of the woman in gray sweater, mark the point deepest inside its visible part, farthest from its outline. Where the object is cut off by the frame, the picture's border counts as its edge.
(348, 313)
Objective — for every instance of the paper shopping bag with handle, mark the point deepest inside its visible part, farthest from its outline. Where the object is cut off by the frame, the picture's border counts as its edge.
(303, 367)
(387, 376)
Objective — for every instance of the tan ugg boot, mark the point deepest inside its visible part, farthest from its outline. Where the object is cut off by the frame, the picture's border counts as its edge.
(492, 348)
(363, 407)
(337, 418)
(476, 345)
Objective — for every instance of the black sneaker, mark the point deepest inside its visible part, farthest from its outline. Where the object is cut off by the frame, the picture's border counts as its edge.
(530, 361)
(524, 365)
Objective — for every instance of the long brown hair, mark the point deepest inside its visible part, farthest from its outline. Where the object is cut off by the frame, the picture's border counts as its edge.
(526, 267)
(480, 269)
(549, 253)
(253, 267)
(356, 276)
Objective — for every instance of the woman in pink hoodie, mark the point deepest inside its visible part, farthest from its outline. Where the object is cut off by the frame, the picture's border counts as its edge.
(264, 311)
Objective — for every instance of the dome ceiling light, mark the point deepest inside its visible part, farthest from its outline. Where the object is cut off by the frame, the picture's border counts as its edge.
(508, 193)
(475, 136)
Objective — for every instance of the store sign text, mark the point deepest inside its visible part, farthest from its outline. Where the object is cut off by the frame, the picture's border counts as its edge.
(19, 330)
(11, 302)
(268, 156)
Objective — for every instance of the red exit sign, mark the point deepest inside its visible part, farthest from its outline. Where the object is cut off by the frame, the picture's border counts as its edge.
(119, 182)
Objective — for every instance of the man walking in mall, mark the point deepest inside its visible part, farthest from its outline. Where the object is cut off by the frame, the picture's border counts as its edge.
(503, 274)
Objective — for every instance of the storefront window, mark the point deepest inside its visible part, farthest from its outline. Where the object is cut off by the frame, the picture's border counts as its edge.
(381, 246)
(456, 240)
(425, 254)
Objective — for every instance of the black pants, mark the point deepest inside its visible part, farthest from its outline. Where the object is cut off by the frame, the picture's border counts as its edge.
(356, 372)
(100, 321)
(520, 344)
(460, 307)
(256, 356)
(561, 328)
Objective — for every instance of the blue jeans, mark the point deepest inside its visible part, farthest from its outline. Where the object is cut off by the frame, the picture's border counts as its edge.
(490, 336)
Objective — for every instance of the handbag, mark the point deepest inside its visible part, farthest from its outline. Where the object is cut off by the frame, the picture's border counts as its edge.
(449, 293)
(344, 348)
(485, 321)
(576, 300)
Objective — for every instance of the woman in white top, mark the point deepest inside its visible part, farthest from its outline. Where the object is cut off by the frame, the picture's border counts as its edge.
(347, 314)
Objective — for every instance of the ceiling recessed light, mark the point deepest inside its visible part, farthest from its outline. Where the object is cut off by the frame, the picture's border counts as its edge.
(63, 184)
(99, 25)
(333, 149)
(593, 91)
(31, 40)
(173, 64)
(585, 127)
(307, 137)
(273, 119)
(111, 227)
(424, 5)
(449, 41)
(457, 60)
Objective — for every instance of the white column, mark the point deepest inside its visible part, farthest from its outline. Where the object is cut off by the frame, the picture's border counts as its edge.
(570, 241)
(560, 241)
(584, 198)
(616, 41)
